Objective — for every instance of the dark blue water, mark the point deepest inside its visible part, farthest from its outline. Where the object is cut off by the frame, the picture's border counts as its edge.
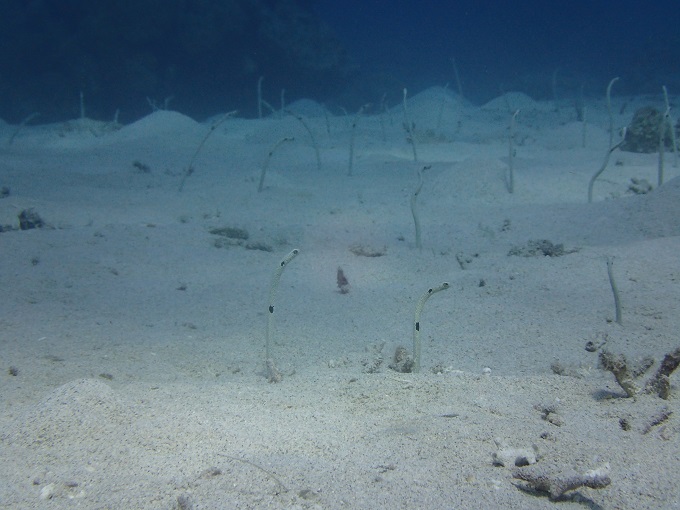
(518, 44)
(203, 57)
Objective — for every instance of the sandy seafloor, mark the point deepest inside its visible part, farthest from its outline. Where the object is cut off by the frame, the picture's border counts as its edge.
(136, 336)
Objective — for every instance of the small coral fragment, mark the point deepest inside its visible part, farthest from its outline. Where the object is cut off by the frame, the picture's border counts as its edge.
(555, 482)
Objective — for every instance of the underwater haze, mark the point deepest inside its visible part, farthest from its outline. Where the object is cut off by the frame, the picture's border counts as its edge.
(516, 45)
(129, 57)
(339, 295)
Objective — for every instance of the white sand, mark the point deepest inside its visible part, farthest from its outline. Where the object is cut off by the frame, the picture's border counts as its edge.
(139, 344)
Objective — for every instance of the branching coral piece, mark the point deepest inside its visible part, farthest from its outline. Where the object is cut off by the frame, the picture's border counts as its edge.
(660, 383)
(556, 483)
(618, 365)
(626, 373)
(656, 419)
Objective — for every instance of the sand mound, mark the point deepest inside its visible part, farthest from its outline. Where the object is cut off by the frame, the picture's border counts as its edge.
(511, 101)
(84, 409)
(158, 123)
(658, 213)
(307, 108)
